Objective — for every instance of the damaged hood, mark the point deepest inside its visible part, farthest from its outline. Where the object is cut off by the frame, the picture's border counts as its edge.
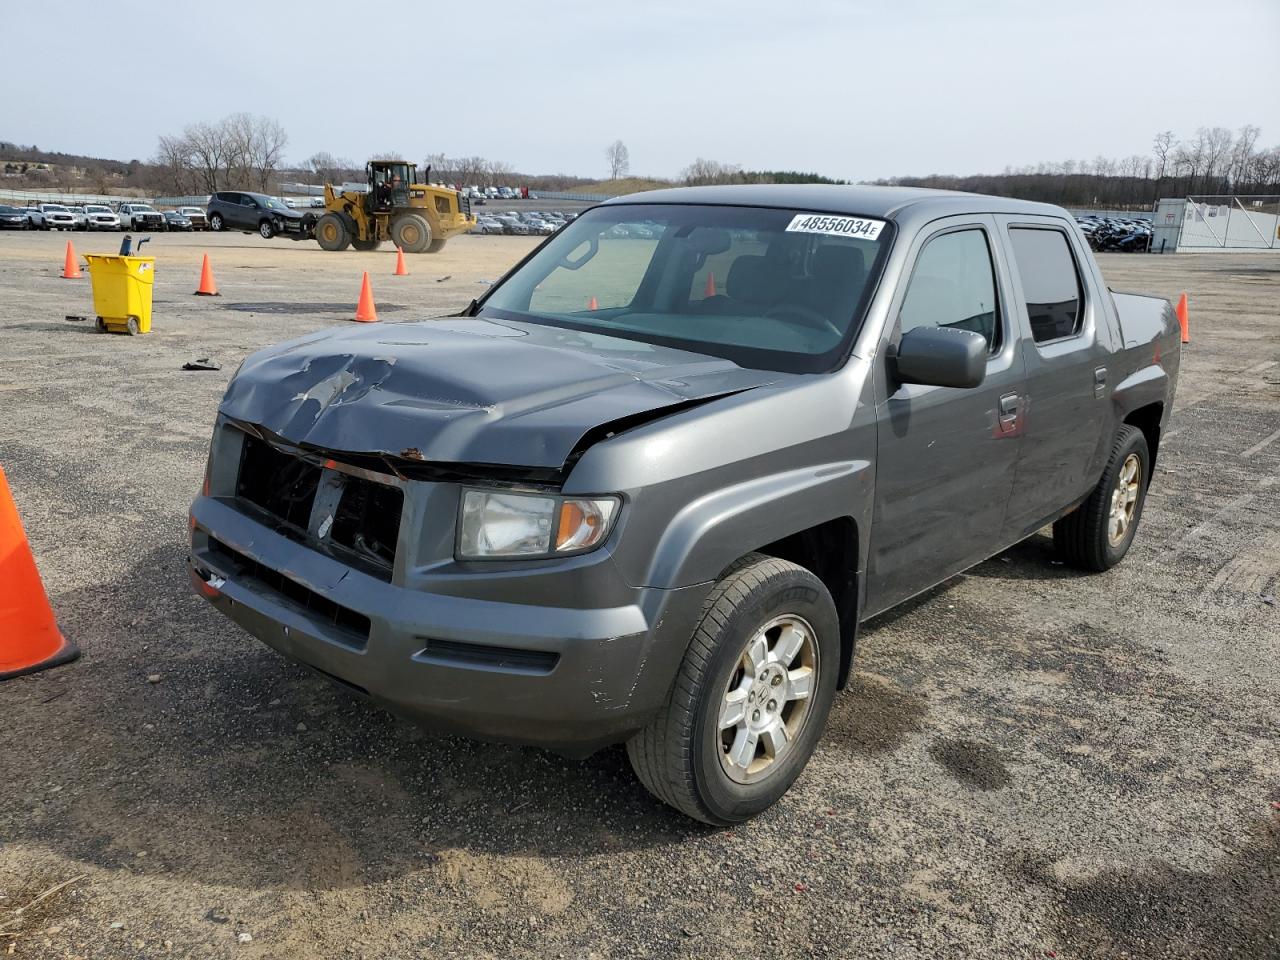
(475, 391)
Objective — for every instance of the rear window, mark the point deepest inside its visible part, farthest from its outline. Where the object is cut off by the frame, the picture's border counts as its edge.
(1050, 282)
(766, 288)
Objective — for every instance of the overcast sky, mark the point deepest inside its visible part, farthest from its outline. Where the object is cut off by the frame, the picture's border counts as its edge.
(855, 89)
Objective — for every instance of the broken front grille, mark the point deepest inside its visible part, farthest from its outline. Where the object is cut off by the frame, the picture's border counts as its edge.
(353, 519)
(353, 626)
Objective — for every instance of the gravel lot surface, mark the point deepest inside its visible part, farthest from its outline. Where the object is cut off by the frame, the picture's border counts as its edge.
(1030, 763)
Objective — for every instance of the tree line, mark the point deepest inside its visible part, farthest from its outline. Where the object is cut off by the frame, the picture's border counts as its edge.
(1216, 161)
(240, 151)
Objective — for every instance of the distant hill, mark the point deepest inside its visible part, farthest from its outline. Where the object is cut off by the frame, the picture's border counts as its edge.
(623, 185)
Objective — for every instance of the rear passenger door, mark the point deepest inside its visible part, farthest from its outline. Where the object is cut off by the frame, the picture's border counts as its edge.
(1068, 377)
(946, 457)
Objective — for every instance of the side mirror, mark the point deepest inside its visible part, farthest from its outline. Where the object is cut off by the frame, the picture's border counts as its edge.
(941, 357)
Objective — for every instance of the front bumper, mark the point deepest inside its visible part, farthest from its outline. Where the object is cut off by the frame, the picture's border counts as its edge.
(492, 653)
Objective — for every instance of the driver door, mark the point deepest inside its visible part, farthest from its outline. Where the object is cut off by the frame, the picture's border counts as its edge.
(946, 456)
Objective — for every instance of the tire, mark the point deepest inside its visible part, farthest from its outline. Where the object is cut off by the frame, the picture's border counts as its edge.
(435, 246)
(365, 246)
(216, 223)
(332, 233)
(266, 230)
(131, 326)
(411, 233)
(101, 325)
(683, 756)
(1098, 533)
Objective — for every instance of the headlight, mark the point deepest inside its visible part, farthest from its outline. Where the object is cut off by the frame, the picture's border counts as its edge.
(495, 525)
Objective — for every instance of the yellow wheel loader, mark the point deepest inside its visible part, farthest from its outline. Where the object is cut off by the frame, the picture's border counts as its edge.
(416, 217)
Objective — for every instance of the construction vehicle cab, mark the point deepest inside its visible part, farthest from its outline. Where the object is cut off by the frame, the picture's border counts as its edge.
(416, 217)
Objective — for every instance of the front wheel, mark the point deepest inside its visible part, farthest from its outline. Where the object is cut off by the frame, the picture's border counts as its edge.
(365, 246)
(266, 230)
(411, 233)
(332, 233)
(750, 699)
(216, 222)
(1098, 533)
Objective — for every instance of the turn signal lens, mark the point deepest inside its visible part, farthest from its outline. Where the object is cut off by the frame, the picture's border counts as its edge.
(583, 523)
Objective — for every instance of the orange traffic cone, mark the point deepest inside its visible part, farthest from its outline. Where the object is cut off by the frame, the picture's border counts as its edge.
(71, 267)
(29, 635)
(710, 291)
(401, 269)
(365, 310)
(207, 287)
(593, 304)
(1181, 311)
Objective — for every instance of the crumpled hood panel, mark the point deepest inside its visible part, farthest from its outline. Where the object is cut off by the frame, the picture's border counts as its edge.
(479, 391)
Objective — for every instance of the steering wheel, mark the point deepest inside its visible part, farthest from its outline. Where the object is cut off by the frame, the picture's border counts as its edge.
(806, 316)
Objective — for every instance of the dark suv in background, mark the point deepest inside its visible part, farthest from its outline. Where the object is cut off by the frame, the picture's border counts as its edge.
(267, 216)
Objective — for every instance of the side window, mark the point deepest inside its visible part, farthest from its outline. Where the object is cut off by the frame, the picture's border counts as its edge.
(1050, 282)
(953, 285)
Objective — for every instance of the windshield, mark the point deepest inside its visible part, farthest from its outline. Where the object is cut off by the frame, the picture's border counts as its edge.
(97, 209)
(766, 288)
(272, 203)
(55, 208)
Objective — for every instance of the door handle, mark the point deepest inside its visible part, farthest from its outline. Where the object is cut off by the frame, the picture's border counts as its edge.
(1100, 382)
(1008, 412)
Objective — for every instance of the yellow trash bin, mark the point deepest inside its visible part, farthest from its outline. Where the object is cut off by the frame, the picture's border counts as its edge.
(122, 292)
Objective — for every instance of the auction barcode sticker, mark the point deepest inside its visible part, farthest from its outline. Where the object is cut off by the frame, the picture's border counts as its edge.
(858, 227)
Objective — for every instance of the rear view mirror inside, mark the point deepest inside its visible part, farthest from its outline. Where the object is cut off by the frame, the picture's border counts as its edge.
(579, 255)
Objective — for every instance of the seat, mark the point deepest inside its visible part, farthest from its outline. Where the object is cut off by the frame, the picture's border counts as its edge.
(838, 275)
(752, 283)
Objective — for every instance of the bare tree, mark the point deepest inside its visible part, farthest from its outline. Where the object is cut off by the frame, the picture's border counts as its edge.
(176, 165)
(327, 168)
(209, 153)
(710, 171)
(267, 144)
(619, 159)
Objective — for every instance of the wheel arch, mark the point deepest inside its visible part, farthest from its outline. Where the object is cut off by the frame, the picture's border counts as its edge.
(798, 515)
(830, 551)
(1148, 418)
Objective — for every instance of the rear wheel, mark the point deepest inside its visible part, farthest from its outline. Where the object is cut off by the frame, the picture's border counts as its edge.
(411, 233)
(1098, 533)
(215, 222)
(751, 697)
(365, 245)
(332, 233)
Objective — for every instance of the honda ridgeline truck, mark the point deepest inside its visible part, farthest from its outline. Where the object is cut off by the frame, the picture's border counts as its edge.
(646, 488)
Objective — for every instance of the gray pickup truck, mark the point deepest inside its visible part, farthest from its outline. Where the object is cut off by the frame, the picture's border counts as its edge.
(647, 487)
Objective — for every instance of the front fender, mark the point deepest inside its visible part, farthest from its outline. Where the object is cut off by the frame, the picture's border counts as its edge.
(712, 531)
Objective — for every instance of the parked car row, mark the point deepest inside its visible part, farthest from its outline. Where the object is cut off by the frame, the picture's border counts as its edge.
(493, 193)
(1116, 234)
(522, 223)
(127, 215)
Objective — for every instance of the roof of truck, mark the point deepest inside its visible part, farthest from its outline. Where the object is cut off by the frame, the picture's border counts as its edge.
(865, 201)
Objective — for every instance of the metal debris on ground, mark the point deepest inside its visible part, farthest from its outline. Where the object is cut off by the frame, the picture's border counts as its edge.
(204, 363)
